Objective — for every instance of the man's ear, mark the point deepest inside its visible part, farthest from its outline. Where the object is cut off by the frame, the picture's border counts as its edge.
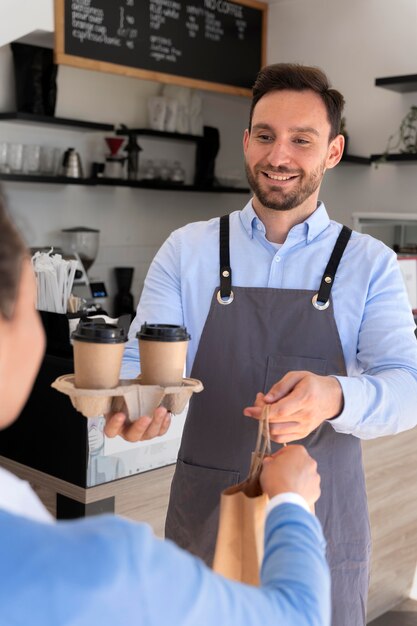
(335, 151)
(246, 136)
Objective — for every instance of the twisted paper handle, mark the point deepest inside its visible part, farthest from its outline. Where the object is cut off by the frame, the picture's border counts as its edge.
(263, 444)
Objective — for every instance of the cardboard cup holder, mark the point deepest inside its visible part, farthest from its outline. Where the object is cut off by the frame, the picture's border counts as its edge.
(130, 397)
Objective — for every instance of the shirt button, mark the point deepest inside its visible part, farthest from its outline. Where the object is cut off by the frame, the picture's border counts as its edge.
(277, 259)
(259, 227)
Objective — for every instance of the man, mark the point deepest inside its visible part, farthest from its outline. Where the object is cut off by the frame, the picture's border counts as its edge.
(111, 572)
(309, 317)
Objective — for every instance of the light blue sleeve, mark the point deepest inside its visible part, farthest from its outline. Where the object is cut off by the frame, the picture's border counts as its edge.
(382, 398)
(109, 571)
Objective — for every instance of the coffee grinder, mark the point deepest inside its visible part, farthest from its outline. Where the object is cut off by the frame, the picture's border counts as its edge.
(82, 244)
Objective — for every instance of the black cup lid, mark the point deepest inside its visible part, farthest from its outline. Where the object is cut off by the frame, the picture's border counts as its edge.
(163, 332)
(99, 332)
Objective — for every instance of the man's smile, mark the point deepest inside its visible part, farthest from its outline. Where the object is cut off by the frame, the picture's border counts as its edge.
(279, 177)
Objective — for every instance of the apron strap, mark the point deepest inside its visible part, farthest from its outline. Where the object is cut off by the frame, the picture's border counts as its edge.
(225, 294)
(321, 299)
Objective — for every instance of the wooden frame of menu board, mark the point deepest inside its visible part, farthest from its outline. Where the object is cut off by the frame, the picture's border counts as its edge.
(218, 45)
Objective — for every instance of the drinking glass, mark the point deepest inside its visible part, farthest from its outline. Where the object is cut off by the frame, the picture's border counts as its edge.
(49, 159)
(4, 148)
(15, 157)
(31, 159)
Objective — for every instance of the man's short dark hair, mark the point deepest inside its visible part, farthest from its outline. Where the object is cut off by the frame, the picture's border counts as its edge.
(12, 252)
(296, 77)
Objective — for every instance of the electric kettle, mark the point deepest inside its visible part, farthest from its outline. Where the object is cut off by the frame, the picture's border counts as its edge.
(71, 164)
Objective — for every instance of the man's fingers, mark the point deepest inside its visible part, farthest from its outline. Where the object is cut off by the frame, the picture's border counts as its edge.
(135, 431)
(145, 427)
(114, 425)
(165, 424)
(283, 386)
(284, 428)
(288, 438)
(253, 411)
(156, 425)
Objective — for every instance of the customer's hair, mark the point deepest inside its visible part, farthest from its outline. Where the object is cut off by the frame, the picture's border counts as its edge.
(296, 77)
(12, 252)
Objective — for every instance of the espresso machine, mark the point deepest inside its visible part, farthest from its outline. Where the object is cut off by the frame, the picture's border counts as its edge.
(82, 244)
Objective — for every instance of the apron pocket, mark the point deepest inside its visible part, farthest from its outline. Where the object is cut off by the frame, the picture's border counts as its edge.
(278, 366)
(193, 512)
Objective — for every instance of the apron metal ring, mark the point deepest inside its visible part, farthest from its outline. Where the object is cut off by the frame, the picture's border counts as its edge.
(228, 300)
(320, 307)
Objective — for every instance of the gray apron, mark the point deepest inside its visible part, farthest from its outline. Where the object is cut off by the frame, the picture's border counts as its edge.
(246, 346)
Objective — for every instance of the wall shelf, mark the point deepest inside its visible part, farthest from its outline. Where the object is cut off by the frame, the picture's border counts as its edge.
(159, 134)
(358, 160)
(116, 182)
(400, 84)
(50, 120)
(54, 180)
(400, 158)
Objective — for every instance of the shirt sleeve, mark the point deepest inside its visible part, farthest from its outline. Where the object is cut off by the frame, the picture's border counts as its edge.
(380, 396)
(110, 571)
(285, 498)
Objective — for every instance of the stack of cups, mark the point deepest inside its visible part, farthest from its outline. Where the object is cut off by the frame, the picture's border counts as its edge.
(162, 349)
(98, 352)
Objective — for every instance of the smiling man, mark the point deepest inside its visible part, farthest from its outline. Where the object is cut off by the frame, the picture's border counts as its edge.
(300, 313)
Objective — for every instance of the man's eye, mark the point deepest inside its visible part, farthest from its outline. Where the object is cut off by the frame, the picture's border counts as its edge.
(301, 141)
(265, 138)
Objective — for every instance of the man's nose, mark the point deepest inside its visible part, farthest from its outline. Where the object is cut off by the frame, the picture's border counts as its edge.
(279, 154)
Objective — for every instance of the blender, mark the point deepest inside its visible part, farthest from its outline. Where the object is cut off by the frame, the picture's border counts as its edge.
(82, 243)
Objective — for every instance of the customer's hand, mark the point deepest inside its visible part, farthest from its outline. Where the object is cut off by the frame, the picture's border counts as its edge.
(142, 429)
(299, 403)
(291, 469)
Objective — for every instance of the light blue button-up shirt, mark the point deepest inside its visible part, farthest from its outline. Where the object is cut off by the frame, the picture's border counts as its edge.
(371, 306)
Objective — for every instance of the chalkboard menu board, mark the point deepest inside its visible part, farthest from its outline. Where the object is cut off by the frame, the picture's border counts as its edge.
(208, 44)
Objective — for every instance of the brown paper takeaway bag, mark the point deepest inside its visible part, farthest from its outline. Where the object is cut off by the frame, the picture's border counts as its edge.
(240, 537)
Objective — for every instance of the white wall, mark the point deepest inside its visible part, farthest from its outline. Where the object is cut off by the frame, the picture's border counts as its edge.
(355, 42)
(133, 223)
(20, 17)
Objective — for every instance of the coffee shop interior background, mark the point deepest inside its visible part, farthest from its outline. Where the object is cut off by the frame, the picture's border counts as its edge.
(353, 42)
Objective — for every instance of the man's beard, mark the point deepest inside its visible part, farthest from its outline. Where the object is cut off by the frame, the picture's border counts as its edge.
(280, 200)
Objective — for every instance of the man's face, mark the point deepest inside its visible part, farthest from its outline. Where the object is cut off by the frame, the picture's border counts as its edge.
(288, 150)
(22, 342)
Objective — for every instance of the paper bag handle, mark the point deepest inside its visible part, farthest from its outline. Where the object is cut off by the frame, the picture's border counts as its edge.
(263, 445)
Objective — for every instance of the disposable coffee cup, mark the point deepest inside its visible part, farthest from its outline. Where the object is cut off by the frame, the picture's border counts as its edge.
(98, 352)
(162, 349)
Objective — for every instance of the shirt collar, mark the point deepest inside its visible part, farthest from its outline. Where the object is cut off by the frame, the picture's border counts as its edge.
(313, 226)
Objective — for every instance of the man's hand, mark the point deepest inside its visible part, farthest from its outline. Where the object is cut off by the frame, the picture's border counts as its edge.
(291, 469)
(299, 403)
(144, 428)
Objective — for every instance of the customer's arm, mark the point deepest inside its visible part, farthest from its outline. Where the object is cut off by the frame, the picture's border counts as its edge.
(108, 571)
